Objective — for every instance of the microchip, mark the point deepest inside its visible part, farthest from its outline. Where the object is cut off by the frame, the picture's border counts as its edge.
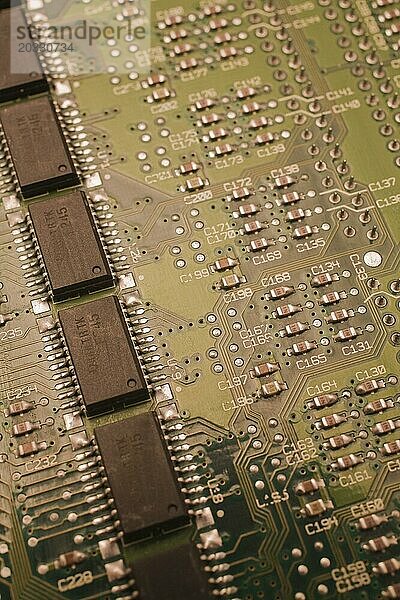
(21, 73)
(103, 355)
(141, 476)
(70, 245)
(37, 146)
(175, 574)
(9, 3)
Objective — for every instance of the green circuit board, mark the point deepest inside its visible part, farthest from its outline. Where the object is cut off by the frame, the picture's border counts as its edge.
(234, 172)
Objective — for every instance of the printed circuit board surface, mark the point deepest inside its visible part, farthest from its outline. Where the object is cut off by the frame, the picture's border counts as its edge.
(199, 298)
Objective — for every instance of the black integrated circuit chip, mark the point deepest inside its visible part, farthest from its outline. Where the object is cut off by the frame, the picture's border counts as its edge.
(105, 360)
(141, 476)
(9, 3)
(21, 73)
(175, 574)
(37, 146)
(70, 245)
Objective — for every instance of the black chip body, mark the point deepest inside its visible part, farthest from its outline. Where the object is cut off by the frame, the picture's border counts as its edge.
(21, 73)
(141, 476)
(37, 146)
(175, 574)
(70, 245)
(9, 3)
(103, 355)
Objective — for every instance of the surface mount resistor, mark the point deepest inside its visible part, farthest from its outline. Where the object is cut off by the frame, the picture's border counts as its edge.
(188, 167)
(317, 507)
(280, 292)
(347, 462)
(250, 107)
(392, 591)
(371, 521)
(332, 298)
(246, 210)
(302, 347)
(188, 63)
(286, 310)
(223, 149)
(339, 441)
(240, 193)
(223, 38)
(231, 281)
(252, 227)
(265, 369)
(294, 329)
(389, 15)
(369, 387)
(309, 486)
(171, 20)
(182, 48)
(178, 34)
(304, 231)
(245, 92)
(210, 118)
(161, 93)
(227, 52)
(394, 29)
(379, 405)
(338, 316)
(329, 421)
(219, 23)
(69, 559)
(345, 335)
(262, 138)
(295, 215)
(18, 408)
(380, 543)
(225, 263)
(258, 123)
(196, 183)
(385, 427)
(156, 79)
(290, 198)
(212, 9)
(273, 388)
(204, 103)
(391, 448)
(284, 181)
(323, 279)
(322, 401)
(23, 428)
(261, 244)
(218, 133)
(387, 567)
(30, 448)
